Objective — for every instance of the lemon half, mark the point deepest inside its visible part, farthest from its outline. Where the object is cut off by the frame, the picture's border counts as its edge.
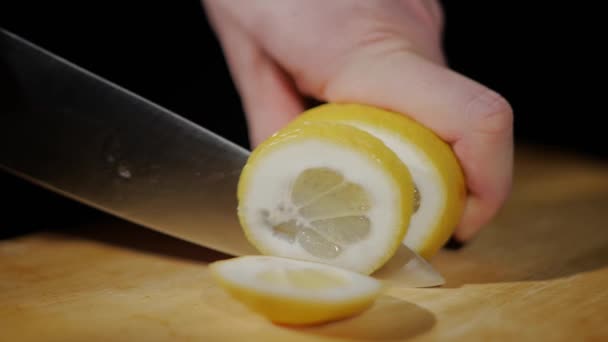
(328, 193)
(294, 292)
(439, 192)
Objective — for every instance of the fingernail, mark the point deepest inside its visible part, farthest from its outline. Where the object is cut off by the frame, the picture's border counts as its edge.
(454, 244)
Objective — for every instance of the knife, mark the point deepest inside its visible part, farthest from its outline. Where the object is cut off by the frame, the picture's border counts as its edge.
(74, 133)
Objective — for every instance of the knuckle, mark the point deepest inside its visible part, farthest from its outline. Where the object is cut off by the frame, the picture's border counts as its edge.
(489, 112)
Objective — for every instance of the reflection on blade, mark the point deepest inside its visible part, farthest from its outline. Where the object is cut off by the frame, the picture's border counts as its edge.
(408, 269)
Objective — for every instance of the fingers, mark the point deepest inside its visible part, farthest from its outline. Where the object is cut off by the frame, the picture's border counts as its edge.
(475, 120)
(269, 98)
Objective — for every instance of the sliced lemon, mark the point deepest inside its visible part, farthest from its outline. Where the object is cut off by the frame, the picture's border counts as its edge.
(295, 292)
(439, 181)
(326, 193)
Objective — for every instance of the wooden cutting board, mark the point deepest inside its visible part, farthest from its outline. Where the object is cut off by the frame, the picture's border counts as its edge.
(538, 272)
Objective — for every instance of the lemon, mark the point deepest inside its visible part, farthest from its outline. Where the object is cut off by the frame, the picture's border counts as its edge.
(295, 292)
(439, 192)
(328, 193)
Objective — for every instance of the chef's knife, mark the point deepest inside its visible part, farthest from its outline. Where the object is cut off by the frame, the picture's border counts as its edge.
(75, 133)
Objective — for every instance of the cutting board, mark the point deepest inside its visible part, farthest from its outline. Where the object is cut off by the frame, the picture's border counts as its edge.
(539, 271)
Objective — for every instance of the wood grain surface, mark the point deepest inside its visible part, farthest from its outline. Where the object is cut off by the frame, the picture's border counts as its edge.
(539, 272)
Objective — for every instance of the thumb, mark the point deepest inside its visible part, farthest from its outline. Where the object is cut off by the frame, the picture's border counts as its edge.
(475, 120)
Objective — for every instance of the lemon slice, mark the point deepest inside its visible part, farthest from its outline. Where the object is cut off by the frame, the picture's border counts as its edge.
(439, 192)
(295, 292)
(326, 193)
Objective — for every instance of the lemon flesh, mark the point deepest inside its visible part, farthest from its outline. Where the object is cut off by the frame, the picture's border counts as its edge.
(295, 292)
(326, 193)
(439, 187)
(331, 213)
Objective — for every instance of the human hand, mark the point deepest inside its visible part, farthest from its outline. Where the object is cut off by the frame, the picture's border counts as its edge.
(383, 53)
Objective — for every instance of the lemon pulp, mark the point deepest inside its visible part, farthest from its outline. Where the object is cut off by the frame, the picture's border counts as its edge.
(326, 213)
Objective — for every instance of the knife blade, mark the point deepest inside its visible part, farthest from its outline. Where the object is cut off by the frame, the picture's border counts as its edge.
(79, 135)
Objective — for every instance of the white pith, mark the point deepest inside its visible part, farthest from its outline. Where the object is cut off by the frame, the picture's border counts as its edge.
(426, 178)
(273, 178)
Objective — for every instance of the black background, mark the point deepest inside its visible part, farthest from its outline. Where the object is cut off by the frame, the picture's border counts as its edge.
(544, 60)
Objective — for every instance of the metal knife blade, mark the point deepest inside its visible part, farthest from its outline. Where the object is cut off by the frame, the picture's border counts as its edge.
(77, 134)
(86, 138)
